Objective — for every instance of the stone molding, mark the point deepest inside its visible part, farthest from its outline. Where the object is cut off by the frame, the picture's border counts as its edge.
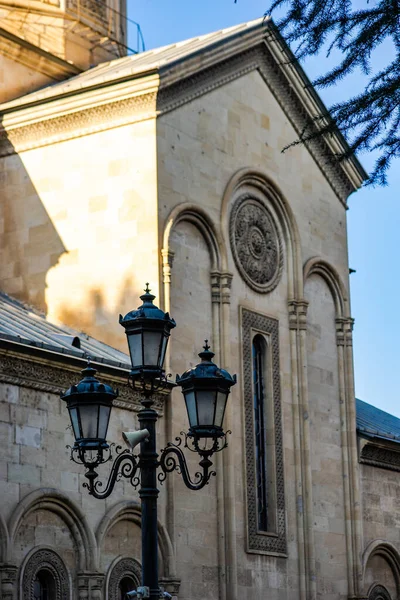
(76, 124)
(378, 456)
(344, 331)
(379, 592)
(260, 542)
(115, 112)
(8, 577)
(49, 560)
(256, 243)
(90, 585)
(298, 314)
(124, 567)
(45, 377)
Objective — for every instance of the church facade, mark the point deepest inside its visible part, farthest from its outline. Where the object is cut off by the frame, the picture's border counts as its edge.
(167, 167)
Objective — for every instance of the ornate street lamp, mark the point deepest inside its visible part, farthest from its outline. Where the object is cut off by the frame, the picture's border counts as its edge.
(205, 387)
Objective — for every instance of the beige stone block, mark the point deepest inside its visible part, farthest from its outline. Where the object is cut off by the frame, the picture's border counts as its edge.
(98, 203)
(26, 474)
(28, 436)
(265, 123)
(20, 415)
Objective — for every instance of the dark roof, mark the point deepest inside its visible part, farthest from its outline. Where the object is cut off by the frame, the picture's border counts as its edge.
(375, 422)
(24, 325)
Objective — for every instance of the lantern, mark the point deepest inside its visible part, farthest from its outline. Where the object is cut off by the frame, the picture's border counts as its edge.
(148, 330)
(89, 404)
(206, 388)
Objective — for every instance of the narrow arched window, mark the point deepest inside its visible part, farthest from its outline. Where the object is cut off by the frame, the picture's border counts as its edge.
(260, 426)
(265, 498)
(44, 586)
(127, 584)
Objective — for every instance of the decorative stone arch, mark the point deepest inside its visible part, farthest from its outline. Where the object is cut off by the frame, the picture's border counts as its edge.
(129, 510)
(121, 567)
(200, 219)
(44, 559)
(318, 266)
(246, 179)
(391, 555)
(378, 592)
(4, 541)
(56, 502)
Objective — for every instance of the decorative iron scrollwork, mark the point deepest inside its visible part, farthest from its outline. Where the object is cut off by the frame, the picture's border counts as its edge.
(173, 459)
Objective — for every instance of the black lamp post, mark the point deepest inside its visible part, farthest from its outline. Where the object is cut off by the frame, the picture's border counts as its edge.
(205, 388)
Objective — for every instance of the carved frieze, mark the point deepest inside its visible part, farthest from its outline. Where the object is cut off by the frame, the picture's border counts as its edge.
(45, 377)
(126, 567)
(377, 456)
(256, 244)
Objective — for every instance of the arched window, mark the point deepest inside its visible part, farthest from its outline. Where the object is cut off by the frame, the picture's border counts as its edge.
(124, 575)
(265, 497)
(127, 584)
(44, 577)
(259, 364)
(44, 586)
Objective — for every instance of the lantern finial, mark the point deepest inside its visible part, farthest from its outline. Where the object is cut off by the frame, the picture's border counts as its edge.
(207, 355)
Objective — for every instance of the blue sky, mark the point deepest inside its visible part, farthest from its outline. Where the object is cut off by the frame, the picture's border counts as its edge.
(374, 215)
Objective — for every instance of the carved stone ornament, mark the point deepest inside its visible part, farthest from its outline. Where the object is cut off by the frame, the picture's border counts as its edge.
(256, 244)
(35, 375)
(126, 567)
(261, 542)
(379, 592)
(376, 456)
(46, 560)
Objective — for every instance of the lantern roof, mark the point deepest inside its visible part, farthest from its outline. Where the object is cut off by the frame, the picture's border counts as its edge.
(90, 385)
(206, 369)
(147, 310)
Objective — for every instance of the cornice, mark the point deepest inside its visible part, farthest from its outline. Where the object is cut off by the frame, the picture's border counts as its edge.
(33, 57)
(114, 104)
(82, 122)
(52, 377)
(379, 453)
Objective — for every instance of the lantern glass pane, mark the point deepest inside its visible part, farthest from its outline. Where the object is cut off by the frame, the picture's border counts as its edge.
(219, 411)
(163, 349)
(73, 413)
(103, 421)
(151, 342)
(135, 348)
(89, 416)
(205, 407)
(191, 408)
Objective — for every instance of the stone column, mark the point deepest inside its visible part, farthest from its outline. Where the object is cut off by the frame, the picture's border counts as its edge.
(90, 586)
(298, 327)
(228, 454)
(8, 579)
(167, 262)
(344, 428)
(216, 348)
(298, 321)
(354, 476)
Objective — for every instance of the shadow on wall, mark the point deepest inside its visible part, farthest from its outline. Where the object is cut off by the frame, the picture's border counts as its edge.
(96, 318)
(30, 244)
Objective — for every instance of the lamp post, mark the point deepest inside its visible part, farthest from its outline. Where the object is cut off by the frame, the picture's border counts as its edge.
(205, 387)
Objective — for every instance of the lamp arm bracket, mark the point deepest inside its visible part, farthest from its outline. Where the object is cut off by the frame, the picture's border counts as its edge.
(125, 465)
(172, 459)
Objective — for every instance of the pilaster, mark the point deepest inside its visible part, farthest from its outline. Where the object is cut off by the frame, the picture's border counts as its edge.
(8, 582)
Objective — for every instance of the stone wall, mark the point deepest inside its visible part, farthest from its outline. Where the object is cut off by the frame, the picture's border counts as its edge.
(47, 517)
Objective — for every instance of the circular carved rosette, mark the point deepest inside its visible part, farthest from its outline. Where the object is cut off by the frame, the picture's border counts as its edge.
(256, 244)
(47, 561)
